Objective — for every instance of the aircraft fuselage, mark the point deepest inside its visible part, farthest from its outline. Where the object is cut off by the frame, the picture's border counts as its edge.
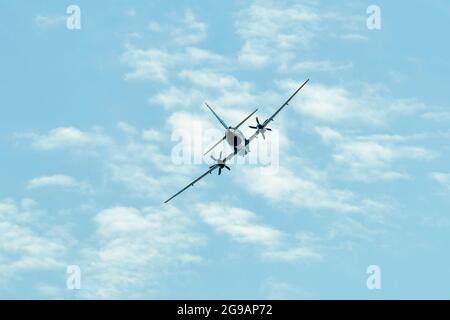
(236, 139)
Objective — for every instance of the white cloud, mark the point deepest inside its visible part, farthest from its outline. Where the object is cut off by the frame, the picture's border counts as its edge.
(442, 178)
(209, 79)
(136, 180)
(315, 66)
(275, 33)
(202, 57)
(437, 116)
(23, 245)
(151, 135)
(337, 104)
(50, 291)
(49, 21)
(328, 135)
(292, 255)
(239, 223)
(137, 249)
(275, 289)
(177, 98)
(151, 64)
(65, 137)
(298, 189)
(127, 128)
(372, 158)
(270, 32)
(62, 181)
(194, 133)
(354, 37)
(126, 162)
(192, 31)
(155, 64)
(243, 226)
(154, 26)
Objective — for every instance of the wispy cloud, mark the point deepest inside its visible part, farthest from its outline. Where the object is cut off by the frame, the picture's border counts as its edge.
(240, 224)
(243, 226)
(337, 104)
(58, 181)
(273, 33)
(270, 32)
(136, 250)
(191, 32)
(442, 178)
(64, 137)
(23, 248)
(155, 64)
(437, 116)
(277, 289)
(373, 158)
(49, 21)
(315, 66)
(301, 190)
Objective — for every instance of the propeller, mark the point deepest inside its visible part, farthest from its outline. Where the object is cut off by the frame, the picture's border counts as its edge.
(220, 163)
(260, 127)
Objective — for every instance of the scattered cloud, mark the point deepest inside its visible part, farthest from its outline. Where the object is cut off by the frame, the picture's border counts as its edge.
(148, 64)
(315, 66)
(337, 104)
(437, 116)
(372, 158)
(155, 64)
(436, 221)
(275, 289)
(243, 227)
(177, 98)
(275, 33)
(136, 180)
(292, 255)
(239, 223)
(137, 249)
(354, 37)
(65, 137)
(151, 135)
(22, 247)
(59, 181)
(442, 178)
(301, 190)
(46, 21)
(271, 33)
(191, 32)
(213, 80)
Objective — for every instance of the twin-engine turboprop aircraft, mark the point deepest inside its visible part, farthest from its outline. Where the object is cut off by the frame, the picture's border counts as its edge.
(236, 139)
(233, 135)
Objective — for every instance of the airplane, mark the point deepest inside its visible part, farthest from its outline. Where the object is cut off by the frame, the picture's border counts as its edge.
(233, 135)
(240, 148)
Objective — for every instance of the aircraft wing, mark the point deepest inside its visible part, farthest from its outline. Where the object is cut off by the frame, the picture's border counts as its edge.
(224, 137)
(284, 104)
(243, 121)
(211, 169)
(214, 167)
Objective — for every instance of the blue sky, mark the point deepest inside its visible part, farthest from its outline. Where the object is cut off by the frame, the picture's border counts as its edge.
(87, 134)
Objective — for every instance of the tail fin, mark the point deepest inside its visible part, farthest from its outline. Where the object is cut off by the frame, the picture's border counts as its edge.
(218, 118)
